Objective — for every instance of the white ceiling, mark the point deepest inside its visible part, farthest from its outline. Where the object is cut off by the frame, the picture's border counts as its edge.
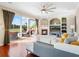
(62, 8)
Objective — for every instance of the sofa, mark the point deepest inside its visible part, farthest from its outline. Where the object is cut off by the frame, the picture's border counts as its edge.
(47, 47)
(47, 50)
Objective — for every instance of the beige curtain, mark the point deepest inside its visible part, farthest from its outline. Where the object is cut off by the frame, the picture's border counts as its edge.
(8, 17)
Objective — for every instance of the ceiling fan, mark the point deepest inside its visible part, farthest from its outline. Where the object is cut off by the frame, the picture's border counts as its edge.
(47, 8)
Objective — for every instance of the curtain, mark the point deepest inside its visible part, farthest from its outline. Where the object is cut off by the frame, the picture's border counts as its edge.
(37, 23)
(8, 17)
(75, 24)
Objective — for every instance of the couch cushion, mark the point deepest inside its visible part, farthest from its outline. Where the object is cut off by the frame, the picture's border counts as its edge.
(47, 38)
(70, 39)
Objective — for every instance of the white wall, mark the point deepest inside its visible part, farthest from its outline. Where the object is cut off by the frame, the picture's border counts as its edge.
(1, 28)
(70, 21)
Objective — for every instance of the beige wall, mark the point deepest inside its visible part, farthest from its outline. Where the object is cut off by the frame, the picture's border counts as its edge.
(1, 28)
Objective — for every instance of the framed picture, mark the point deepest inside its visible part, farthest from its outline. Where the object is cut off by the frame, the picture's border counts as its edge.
(44, 32)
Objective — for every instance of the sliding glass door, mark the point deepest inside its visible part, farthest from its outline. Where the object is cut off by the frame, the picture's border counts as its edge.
(15, 27)
(28, 27)
(23, 25)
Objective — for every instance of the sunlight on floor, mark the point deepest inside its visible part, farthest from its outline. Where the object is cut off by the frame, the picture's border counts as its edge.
(18, 47)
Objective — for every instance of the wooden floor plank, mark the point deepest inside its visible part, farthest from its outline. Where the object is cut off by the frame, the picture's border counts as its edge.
(4, 51)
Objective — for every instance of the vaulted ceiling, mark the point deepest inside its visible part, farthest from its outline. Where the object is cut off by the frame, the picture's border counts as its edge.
(33, 8)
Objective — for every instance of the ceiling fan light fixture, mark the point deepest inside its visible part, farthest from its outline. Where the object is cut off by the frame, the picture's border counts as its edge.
(43, 11)
(47, 10)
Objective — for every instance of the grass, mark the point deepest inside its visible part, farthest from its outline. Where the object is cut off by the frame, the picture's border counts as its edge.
(18, 29)
(14, 30)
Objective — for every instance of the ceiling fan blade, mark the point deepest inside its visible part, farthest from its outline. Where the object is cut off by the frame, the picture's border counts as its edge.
(50, 11)
(52, 8)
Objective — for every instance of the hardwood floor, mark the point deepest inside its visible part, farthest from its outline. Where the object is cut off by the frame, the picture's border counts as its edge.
(4, 52)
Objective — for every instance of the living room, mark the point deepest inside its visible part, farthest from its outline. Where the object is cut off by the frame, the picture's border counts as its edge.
(46, 29)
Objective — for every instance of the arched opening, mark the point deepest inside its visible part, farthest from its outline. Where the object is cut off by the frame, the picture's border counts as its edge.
(54, 21)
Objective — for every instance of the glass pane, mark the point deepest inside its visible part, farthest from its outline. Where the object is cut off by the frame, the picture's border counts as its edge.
(33, 26)
(24, 25)
(15, 27)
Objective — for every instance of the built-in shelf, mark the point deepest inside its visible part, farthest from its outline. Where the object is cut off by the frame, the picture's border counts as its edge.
(55, 27)
(64, 25)
(58, 26)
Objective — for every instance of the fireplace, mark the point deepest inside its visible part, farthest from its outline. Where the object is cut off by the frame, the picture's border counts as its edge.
(44, 32)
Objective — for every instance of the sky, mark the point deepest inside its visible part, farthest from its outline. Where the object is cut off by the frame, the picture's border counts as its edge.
(17, 20)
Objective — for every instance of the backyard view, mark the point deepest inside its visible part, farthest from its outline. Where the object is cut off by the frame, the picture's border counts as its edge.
(19, 24)
(15, 26)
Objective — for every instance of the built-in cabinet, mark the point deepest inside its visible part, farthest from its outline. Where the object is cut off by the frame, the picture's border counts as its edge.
(56, 26)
